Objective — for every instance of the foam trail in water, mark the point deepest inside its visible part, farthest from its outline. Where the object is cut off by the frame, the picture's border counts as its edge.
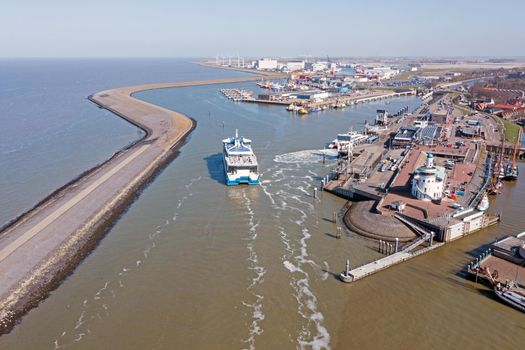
(256, 306)
(294, 186)
(306, 156)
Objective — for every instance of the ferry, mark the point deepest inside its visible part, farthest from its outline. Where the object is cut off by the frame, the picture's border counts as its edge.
(345, 142)
(240, 163)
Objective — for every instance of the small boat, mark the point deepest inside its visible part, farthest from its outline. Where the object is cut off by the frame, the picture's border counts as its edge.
(291, 108)
(511, 172)
(484, 203)
(509, 292)
(501, 172)
(316, 109)
(514, 297)
(511, 169)
(302, 111)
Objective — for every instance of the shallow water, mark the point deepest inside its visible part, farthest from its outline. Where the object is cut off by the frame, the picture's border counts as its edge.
(194, 264)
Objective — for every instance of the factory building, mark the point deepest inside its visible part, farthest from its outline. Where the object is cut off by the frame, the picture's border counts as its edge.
(440, 117)
(405, 136)
(266, 64)
(295, 65)
(381, 72)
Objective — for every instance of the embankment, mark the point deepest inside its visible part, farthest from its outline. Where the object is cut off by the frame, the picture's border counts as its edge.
(42, 246)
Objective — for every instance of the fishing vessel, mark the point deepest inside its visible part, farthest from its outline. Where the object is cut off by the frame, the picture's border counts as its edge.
(511, 169)
(511, 296)
(509, 292)
(293, 108)
(240, 163)
(511, 172)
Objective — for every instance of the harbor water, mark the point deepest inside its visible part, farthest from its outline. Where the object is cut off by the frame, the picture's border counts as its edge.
(194, 264)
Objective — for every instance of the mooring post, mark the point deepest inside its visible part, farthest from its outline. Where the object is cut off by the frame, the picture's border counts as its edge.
(397, 244)
(322, 184)
(379, 246)
(430, 238)
(338, 234)
(315, 192)
(335, 217)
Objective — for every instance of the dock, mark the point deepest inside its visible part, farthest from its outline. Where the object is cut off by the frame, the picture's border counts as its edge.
(336, 101)
(394, 255)
(504, 259)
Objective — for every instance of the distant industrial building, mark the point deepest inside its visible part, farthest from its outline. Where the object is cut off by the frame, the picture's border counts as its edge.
(405, 136)
(429, 134)
(312, 95)
(315, 66)
(440, 117)
(266, 64)
(381, 72)
(295, 65)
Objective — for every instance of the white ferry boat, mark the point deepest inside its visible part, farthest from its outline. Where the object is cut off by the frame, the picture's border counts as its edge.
(345, 142)
(240, 164)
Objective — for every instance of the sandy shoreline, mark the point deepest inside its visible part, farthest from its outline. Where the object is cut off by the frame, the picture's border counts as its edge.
(44, 245)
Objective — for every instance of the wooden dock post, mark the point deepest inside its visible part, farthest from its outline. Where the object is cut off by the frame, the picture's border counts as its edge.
(397, 245)
(335, 217)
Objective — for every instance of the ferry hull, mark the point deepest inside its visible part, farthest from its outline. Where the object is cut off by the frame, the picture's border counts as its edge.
(242, 180)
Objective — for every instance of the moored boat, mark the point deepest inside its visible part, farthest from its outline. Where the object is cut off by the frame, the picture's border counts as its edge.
(302, 111)
(514, 297)
(484, 203)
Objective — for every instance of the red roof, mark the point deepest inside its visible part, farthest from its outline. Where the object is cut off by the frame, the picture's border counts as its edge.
(505, 106)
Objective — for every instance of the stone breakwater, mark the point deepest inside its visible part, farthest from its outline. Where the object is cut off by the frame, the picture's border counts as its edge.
(42, 246)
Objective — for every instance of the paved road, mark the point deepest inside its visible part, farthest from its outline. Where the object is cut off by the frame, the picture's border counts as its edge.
(19, 241)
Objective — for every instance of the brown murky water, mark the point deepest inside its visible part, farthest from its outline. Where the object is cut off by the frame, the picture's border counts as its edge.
(194, 264)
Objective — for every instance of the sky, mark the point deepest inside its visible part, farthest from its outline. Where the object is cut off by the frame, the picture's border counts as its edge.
(257, 28)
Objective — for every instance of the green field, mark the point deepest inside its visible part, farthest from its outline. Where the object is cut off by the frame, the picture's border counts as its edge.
(511, 130)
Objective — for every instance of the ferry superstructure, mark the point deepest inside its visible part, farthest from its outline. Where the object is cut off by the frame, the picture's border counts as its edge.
(240, 163)
(345, 142)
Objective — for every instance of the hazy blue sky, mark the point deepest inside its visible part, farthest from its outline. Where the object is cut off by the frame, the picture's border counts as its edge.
(172, 28)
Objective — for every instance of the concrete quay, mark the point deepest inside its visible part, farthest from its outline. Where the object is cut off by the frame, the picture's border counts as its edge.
(42, 246)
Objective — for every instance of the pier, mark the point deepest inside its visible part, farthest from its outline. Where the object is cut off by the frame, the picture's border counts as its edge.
(336, 101)
(42, 246)
(394, 256)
